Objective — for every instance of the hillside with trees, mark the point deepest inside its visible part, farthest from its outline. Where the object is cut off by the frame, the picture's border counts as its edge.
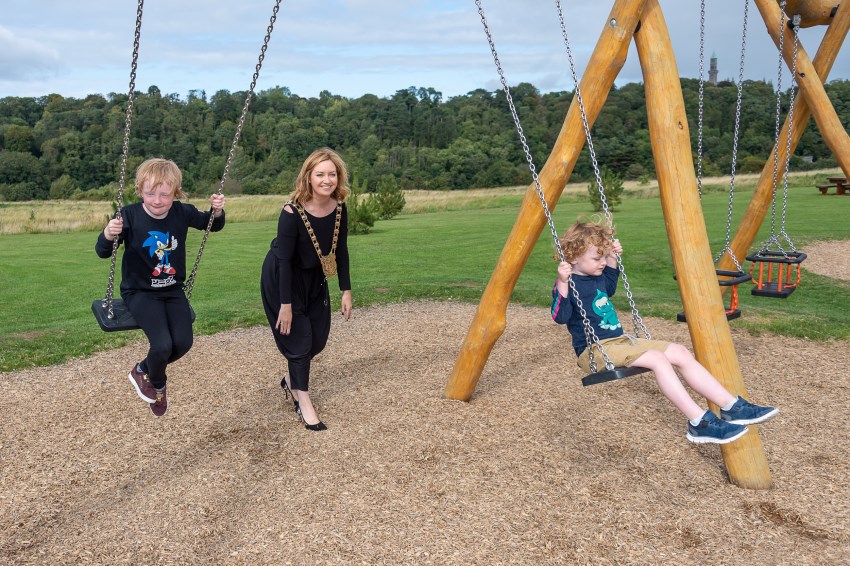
(58, 147)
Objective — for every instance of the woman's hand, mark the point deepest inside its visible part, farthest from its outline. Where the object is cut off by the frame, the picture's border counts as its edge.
(114, 228)
(284, 319)
(346, 304)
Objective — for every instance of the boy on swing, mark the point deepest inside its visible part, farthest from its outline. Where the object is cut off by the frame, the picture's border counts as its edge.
(153, 270)
(591, 263)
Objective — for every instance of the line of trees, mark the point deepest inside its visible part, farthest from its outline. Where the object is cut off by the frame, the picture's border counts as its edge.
(58, 147)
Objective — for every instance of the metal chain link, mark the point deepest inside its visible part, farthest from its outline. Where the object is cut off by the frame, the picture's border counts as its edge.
(776, 128)
(791, 100)
(639, 326)
(128, 118)
(774, 233)
(190, 283)
(735, 138)
(518, 125)
(701, 97)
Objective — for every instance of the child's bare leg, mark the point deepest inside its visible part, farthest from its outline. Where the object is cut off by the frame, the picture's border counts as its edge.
(669, 384)
(697, 377)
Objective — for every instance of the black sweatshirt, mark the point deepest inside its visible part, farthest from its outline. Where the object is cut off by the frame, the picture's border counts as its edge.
(155, 249)
(294, 248)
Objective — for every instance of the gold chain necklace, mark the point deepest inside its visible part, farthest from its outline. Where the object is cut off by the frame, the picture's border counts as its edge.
(328, 261)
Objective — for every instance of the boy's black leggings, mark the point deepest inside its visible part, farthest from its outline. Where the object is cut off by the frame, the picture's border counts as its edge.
(167, 322)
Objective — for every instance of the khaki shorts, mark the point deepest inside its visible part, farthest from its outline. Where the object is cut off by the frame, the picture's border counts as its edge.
(622, 351)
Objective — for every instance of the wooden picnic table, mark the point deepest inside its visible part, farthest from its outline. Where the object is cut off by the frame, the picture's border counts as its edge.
(838, 183)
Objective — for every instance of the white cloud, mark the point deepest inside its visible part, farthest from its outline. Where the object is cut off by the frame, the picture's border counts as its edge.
(348, 47)
(22, 58)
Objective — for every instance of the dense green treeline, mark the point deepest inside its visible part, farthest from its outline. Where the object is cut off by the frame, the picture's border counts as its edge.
(57, 147)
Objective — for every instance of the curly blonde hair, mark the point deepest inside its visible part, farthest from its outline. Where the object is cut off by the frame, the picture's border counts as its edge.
(584, 233)
(304, 192)
(159, 171)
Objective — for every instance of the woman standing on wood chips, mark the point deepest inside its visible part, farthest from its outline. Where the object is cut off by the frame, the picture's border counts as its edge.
(310, 248)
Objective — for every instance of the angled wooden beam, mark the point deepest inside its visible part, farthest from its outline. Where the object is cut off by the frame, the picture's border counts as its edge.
(811, 85)
(753, 218)
(489, 322)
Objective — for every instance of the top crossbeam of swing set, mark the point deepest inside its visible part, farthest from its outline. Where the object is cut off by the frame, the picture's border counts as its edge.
(643, 22)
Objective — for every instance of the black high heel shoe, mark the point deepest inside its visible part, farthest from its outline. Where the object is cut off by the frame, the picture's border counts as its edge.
(288, 392)
(314, 427)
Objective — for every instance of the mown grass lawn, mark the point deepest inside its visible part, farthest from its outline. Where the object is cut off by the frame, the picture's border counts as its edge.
(48, 281)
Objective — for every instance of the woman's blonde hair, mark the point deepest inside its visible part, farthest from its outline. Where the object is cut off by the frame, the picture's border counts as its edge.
(303, 191)
(585, 233)
(159, 171)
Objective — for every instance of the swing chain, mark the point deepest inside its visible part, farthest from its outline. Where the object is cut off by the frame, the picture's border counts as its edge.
(128, 118)
(791, 100)
(583, 113)
(735, 138)
(518, 125)
(639, 326)
(701, 96)
(190, 283)
(774, 234)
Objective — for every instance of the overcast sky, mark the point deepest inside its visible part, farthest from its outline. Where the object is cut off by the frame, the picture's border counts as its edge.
(347, 47)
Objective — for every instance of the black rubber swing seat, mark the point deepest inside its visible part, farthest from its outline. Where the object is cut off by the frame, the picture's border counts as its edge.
(732, 278)
(612, 375)
(122, 318)
(730, 315)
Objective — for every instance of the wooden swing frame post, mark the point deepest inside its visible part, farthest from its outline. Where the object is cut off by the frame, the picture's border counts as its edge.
(826, 55)
(745, 459)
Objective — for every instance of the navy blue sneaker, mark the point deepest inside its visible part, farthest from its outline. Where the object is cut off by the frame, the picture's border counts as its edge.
(715, 431)
(743, 413)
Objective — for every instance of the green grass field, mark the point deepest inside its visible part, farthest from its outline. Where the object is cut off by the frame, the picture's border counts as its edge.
(48, 281)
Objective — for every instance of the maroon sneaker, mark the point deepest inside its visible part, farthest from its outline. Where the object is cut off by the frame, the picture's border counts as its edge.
(159, 406)
(142, 384)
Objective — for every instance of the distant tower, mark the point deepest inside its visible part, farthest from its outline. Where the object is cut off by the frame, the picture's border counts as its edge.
(712, 69)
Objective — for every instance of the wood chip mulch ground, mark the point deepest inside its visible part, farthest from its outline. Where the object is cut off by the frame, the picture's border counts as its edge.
(534, 470)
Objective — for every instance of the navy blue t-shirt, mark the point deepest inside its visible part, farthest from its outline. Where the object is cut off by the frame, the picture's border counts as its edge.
(595, 293)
